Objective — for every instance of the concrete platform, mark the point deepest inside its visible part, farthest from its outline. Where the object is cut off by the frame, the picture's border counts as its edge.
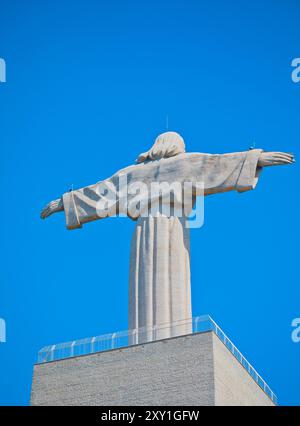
(196, 369)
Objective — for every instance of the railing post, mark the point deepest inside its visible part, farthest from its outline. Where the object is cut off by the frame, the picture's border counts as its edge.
(52, 353)
(134, 339)
(72, 348)
(196, 324)
(93, 344)
(113, 340)
(154, 329)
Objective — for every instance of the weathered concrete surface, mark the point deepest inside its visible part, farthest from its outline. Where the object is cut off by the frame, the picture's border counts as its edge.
(187, 370)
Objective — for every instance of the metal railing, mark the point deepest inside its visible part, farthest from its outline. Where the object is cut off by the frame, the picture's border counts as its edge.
(122, 339)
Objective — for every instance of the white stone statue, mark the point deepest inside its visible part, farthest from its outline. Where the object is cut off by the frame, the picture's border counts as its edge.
(159, 287)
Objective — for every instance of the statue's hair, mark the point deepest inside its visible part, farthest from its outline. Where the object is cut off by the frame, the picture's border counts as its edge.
(166, 145)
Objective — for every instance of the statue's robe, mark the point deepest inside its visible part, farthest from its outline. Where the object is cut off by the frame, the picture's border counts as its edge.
(159, 287)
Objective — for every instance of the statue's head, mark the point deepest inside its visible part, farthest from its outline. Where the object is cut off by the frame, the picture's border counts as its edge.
(166, 145)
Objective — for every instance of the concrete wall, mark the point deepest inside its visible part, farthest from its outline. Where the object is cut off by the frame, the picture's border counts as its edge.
(233, 384)
(188, 370)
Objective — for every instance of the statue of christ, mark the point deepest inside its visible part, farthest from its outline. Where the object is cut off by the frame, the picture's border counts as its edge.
(159, 193)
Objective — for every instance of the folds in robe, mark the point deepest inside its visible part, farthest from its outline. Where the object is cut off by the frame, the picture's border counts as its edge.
(119, 194)
(159, 280)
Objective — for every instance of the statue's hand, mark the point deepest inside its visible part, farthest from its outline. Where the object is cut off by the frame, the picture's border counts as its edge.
(52, 207)
(275, 159)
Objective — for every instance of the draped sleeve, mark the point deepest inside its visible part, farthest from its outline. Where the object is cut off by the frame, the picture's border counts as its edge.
(94, 202)
(226, 172)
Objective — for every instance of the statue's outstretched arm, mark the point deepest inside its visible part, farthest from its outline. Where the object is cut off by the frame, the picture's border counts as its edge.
(52, 207)
(275, 159)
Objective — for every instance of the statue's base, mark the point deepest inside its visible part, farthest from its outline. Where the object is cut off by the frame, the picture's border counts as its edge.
(195, 369)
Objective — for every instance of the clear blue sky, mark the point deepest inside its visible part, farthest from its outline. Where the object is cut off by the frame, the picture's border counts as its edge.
(89, 85)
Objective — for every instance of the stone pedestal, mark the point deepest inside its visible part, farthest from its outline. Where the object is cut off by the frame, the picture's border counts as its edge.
(196, 369)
